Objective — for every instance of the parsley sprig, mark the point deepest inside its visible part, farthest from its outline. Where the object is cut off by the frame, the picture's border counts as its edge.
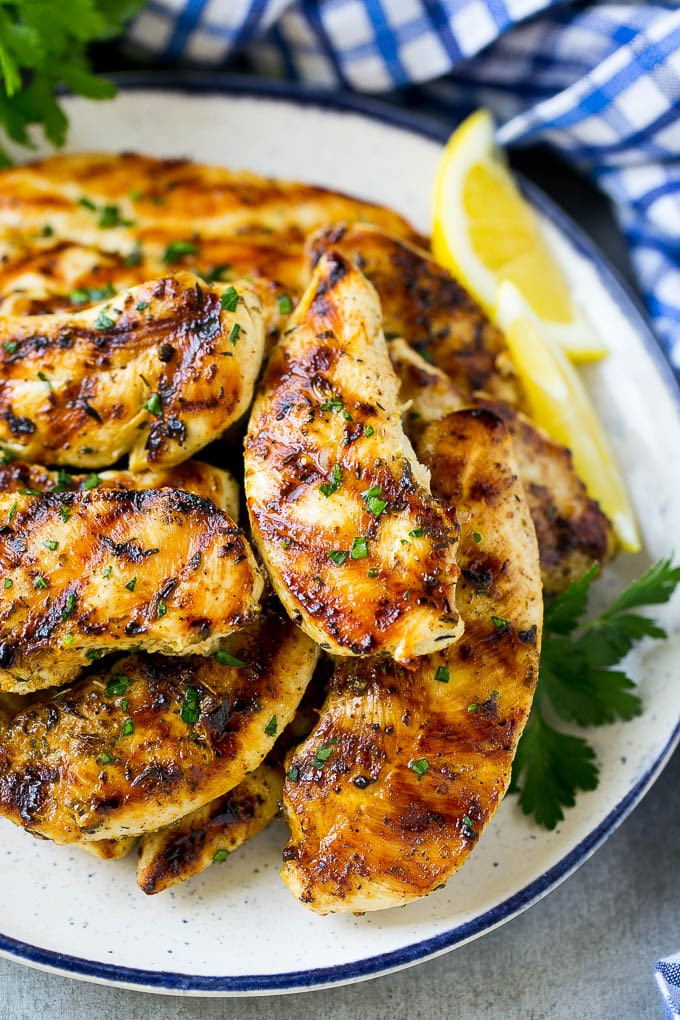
(43, 45)
(578, 684)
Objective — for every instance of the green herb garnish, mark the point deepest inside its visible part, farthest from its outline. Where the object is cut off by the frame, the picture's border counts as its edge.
(7, 583)
(10, 346)
(285, 305)
(443, 674)
(359, 550)
(91, 482)
(220, 855)
(271, 727)
(373, 499)
(338, 556)
(191, 706)
(578, 684)
(328, 488)
(131, 584)
(229, 299)
(225, 659)
(51, 544)
(176, 250)
(368, 430)
(419, 766)
(235, 330)
(153, 405)
(103, 321)
(128, 728)
(118, 685)
(69, 607)
(39, 582)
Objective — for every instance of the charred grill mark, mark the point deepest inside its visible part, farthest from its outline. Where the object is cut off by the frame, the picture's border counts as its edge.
(129, 550)
(19, 426)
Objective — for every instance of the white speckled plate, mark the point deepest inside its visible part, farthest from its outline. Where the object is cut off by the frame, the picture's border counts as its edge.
(236, 929)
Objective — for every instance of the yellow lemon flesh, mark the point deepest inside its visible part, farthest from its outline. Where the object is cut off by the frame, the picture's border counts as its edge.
(485, 232)
(559, 403)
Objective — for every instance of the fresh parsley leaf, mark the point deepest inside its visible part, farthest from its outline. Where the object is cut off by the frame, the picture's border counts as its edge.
(45, 45)
(578, 684)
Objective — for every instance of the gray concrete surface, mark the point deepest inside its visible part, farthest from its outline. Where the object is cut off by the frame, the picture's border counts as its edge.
(586, 952)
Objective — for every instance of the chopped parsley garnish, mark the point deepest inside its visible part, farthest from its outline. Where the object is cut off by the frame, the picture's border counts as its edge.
(134, 258)
(109, 216)
(64, 481)
(235, 330)
(220, 855)
(285, 305)
(162, 609)
(153, 405)
(419, 766)
(322, 756)
(142, 306)
(191, 706)
(225, 659)
(30, 492)
(128, 728)
(216, 274)
(338, 556)
(328, 488)
(39, 582)
(373, 572)
(443, 674)
(12, 512)
(373, 499)
(51, 544)
(229, 299)
(176, 250)
(87, 203)
(69, 607)
(7, 583)
(332, 405)
(368, 430)
(104, 321)
(271, 727)
(118, 685)
(359, 550)
(498, 621)
(68, 639)
(87, 295)
(473, 707)
(417, 533)
(7, 457)
(469, 824)
(293, 774)
(477, 537)
(106, 572)
(577, 683)
(10, 346)
(64, 513)
(107, 759)
(91, 482)
(131, 584)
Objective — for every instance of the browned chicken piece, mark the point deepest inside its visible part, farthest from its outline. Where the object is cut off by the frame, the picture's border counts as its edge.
(148, 740)
(357, 549)
(92, 572)
(192, 476)
(109, 849)
(209, 834)
(157, 372)
(425, 305)
(572, 531)
(392, 790)
(70, 224)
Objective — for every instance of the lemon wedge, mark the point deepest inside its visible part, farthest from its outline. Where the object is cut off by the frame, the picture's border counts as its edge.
(559, 403)
(484, 232)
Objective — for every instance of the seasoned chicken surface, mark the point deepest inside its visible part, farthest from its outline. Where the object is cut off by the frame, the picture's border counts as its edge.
(572, 530)
(109, 849)
(425, 305)
(149, 739)
(74, 223)
(192, 476)
(357, 549)
(157, 372)
(209, 834)
(393, 788)
(89, 572)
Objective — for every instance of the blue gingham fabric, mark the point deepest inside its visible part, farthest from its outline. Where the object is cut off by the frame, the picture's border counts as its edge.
(599, 81)
(667, 974)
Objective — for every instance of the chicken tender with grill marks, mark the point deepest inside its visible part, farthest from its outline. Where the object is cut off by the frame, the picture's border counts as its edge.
(425, 305)
(357, 549)
(148, 740)
(157, 373)
(392, 790)
(572, 530)
(209, 834)
(91, 572)
(194, 476)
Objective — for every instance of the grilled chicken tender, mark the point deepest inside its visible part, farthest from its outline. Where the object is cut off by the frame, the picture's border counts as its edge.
(109, 570)
(209, 834)
(572, 530)
(392, 790)
(74, 223)
(150, 739)
(425, 305)
(357, 549)
(158, 373)
(194, 476)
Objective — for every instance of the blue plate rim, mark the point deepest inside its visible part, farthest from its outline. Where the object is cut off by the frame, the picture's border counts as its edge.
(173, 982)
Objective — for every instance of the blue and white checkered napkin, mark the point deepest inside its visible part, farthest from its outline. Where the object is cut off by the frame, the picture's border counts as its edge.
(599, 81)
(667, 974)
